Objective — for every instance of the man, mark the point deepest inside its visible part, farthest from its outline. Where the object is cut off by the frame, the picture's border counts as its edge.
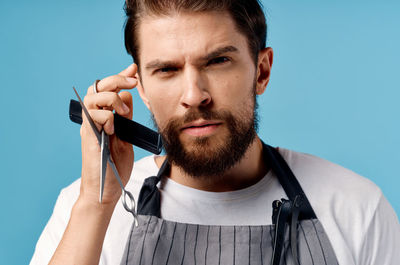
(199, 67)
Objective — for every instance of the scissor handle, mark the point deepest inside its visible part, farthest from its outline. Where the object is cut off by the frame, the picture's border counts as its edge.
(131, 206)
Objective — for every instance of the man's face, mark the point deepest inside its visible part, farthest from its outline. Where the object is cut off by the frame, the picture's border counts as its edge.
(198, 80)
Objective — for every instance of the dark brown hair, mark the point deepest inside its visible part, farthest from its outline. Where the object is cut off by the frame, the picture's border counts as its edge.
(247, 15)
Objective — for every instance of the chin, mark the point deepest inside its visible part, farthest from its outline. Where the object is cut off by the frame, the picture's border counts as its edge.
(203, 143)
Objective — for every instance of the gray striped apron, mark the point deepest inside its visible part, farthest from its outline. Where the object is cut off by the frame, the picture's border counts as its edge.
(295, 237)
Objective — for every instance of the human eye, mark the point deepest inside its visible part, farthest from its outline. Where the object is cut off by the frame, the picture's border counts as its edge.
(218, 60)
(165, 71)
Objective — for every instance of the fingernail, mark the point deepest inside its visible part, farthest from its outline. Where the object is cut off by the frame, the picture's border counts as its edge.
(126, 108)
(131, 80)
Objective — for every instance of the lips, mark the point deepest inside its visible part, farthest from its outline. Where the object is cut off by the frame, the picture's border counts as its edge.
(201, 128)
(200, 123)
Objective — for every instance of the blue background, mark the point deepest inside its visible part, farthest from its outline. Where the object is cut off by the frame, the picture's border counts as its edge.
(334, 92)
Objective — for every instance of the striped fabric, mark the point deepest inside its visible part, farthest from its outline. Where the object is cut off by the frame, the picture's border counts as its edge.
(157, 241)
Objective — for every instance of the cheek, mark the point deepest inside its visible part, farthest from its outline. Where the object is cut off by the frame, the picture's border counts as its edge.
(162, 101)
(230, 91)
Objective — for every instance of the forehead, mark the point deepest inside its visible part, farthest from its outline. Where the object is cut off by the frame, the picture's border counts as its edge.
(186, 35)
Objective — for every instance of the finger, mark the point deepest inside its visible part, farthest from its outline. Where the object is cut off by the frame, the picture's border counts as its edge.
(114, 83)
(130, 70)
(107, 100)
(104, 119)
(126, 97)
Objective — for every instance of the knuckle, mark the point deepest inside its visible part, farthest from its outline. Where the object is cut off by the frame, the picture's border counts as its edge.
(86, 100)
(115, 97)
(115, 84)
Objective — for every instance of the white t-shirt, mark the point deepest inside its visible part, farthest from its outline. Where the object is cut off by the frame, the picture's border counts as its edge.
(360, 223)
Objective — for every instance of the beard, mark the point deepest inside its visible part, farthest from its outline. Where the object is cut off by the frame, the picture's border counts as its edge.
(210, 156)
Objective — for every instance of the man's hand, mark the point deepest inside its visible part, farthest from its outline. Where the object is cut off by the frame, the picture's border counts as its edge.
(100, 107)
(83, 238)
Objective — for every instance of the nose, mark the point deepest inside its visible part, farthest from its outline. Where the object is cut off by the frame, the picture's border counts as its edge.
(195, 90)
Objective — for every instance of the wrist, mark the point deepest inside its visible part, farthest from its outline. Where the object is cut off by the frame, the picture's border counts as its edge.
(86, 206)
(89, 193)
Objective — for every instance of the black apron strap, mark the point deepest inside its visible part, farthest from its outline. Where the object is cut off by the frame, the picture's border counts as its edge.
(288, 181)
(149, 196)
(296, 208)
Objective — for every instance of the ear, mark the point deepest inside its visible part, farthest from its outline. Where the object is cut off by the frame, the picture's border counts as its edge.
(141, 91)
(264, 64)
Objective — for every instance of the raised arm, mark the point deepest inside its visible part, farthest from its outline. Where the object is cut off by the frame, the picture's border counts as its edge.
(83, 238)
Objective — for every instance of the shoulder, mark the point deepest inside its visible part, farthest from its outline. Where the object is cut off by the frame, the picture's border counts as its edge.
(347, 204)
(324, 178)
(331, 186)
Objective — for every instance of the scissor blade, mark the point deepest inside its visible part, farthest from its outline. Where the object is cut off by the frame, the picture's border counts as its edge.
(91, 122)
(105, 154)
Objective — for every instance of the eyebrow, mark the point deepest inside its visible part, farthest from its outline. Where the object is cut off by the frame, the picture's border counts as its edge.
(219, 51)
(157, 64)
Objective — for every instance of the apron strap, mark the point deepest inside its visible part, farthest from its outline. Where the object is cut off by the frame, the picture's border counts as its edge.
(288, 181)
(149, 196)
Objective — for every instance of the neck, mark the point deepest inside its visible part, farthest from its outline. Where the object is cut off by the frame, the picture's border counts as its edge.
(248, 171)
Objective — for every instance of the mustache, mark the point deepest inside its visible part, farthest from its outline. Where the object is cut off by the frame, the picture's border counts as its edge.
(196, 114)
(175, 123)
